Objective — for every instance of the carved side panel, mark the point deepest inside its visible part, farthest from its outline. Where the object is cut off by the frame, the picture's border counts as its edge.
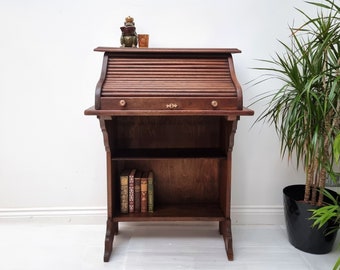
(226, 166)
(105, 124)
(100, 83)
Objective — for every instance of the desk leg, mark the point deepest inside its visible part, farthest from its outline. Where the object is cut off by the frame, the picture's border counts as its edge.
(225, 228)
(115, 228)
(111, 229)
(220, 227)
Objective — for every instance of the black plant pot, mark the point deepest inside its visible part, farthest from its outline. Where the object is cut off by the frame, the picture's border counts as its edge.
(300, 232)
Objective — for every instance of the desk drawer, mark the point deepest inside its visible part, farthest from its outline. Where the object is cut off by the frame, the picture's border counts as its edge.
(157, 103)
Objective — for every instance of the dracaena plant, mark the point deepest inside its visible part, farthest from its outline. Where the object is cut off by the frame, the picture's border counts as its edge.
(305, 108)
(330, 212)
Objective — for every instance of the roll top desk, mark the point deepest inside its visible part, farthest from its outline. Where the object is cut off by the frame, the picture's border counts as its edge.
(175, 112)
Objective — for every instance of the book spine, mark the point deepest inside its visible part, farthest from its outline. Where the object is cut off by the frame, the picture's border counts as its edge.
(132, 191)
(124, 192)
(144, 193)
(137, 193)
(150, 192)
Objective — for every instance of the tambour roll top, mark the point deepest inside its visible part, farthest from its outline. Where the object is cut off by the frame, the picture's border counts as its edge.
(155, 81)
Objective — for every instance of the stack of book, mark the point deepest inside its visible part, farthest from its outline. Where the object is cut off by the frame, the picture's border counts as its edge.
(136, 191)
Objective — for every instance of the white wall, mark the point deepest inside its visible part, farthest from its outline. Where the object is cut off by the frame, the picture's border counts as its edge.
(52, 156)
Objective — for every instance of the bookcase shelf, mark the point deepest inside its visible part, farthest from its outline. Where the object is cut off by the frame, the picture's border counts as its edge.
(173, 112)
(177, 212)
(168, 153)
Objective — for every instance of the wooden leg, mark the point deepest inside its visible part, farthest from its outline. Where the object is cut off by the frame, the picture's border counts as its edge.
(110, 230)
(227, 237)
(115, 228)
(220, 227)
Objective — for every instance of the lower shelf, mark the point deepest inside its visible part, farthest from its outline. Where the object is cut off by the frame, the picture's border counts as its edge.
(191, 212)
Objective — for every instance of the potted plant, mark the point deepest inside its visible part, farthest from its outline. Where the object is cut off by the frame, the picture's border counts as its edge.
(330, 212)
(305, 114)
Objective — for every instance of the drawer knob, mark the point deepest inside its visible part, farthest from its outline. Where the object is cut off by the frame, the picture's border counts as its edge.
(214, 103)
(122, 103)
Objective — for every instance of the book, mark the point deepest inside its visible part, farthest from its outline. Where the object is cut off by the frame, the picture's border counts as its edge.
(132, 191)
(144, 192)
(150, 192)
(138, 176)
(124, 192)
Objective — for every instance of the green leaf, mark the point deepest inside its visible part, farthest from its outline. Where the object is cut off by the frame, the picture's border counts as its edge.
(336, 148)
(337, 265)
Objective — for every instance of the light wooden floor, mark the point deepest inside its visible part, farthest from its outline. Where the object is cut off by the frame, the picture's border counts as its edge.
(151, 246)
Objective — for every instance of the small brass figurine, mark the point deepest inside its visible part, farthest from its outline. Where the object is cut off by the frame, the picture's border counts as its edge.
(129, 35)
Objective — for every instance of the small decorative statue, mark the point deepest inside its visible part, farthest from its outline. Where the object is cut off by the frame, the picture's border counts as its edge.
(129, 35)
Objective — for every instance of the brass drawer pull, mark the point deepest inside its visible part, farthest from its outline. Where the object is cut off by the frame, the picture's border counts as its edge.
(214, 103)
(122, 103)
(171, 106)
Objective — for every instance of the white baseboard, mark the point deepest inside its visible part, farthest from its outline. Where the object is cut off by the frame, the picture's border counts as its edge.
(240, 215)
(257, 215)
(80, 215)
